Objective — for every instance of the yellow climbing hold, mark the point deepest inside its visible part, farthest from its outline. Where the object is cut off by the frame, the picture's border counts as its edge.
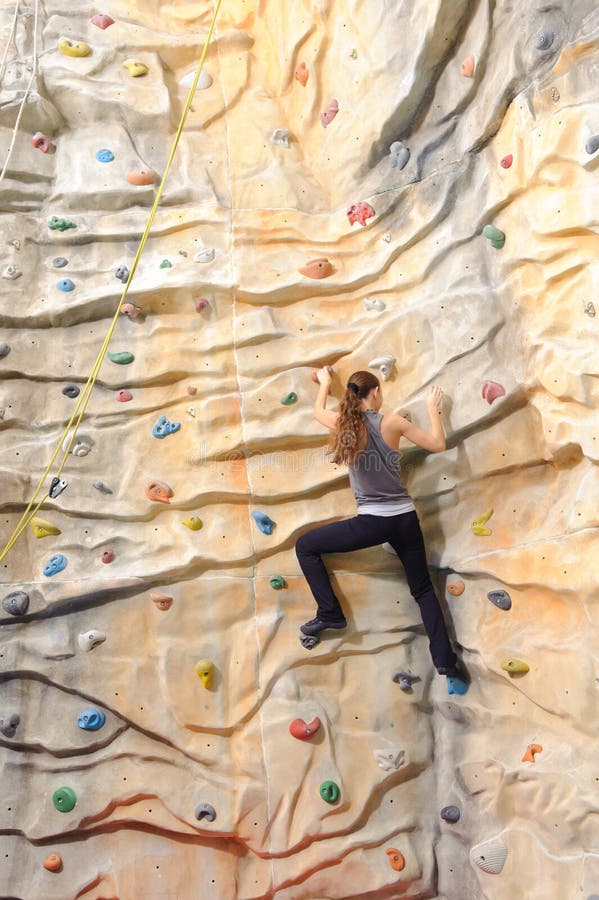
(514, 666)
(79, 48)
(42, 528)
(194, 523)
(204, 669)
(479, 526)
(135, 67)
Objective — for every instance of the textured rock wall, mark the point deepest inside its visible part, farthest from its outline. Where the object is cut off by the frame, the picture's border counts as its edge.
(457, 311)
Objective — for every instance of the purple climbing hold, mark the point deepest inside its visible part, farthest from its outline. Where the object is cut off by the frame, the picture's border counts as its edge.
(4, 349)
(9, 724)
(71, 390)
(122, 273)
(205, 811)
(100, 486)
(59, 262)
(450, 814)
(544, 39)
(405, 679)
(592, 145)
(501, 599)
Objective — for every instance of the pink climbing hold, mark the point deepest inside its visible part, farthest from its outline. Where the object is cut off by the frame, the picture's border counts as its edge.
(123, 396)
(191, 389)
(141, 176)
(128, 309)
(201, 304)
(102, 20)
(506, 161)
(303, 731)
(329, 114)
(360, 212)
(40, 141)
(467, 67)
(492, 390)
(107, 556)
(317, 268)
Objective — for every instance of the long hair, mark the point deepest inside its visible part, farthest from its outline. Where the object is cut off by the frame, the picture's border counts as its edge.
(350, 429)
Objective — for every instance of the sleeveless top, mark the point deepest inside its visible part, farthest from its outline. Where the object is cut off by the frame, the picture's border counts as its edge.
(375, 476)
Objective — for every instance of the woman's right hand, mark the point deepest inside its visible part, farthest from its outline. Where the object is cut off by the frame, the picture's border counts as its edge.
(434, 398)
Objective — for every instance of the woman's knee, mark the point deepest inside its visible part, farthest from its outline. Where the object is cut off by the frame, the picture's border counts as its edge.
(302, 545)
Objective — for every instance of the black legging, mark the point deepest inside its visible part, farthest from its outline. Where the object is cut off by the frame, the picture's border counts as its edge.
(404, 534)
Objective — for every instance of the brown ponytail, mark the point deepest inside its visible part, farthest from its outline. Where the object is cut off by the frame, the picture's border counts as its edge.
(349, 430)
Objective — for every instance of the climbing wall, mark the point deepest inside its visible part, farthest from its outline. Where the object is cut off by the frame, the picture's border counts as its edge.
(409, 185)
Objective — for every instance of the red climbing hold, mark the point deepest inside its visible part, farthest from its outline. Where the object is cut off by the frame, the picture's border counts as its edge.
(506, 161)
(123, 396)
(492, 390)
(40, 141)
(128, 309)
(191, 389)
(303, 731)
(107, 556)
(360, 212)
(201, 304)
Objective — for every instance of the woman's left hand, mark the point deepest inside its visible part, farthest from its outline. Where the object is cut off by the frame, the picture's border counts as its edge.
(324, 376)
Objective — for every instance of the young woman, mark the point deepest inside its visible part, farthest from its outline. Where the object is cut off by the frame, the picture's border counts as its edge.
(367, 442)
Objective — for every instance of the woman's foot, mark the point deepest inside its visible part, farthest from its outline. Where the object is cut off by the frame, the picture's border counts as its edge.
(316, 625)
(457, 670)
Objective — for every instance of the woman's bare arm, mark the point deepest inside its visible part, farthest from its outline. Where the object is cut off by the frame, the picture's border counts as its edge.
(321, 413)
(432, 440)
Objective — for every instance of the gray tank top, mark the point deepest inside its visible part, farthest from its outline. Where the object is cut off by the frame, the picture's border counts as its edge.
(375, 476)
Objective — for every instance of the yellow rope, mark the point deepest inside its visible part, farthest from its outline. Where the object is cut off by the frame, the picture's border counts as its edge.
(82, 402)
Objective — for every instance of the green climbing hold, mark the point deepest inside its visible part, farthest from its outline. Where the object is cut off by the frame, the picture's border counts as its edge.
(56, 224)
(277, 582)
(329, 791)
(289, 398)
(496, 236)
(64, 799)
(121, 358)
(165, 264)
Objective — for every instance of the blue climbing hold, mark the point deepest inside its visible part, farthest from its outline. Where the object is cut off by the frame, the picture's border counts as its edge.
(65, 284)
(55, 564)
(164, 427)
(456, 686)
(264, 522)
(104, 155)
(91, 719)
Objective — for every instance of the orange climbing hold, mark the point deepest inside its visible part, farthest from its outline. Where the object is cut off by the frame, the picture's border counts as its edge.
(317, 268)
(301, 73)
(141, 176)
(162, 601)
(456, 588)
(531, 750)
(396, 859)
(159, 491)
(303, 731)
(53, 863)
(467, 67)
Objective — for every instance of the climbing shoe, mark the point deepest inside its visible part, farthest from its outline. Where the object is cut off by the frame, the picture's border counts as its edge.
(315, 626)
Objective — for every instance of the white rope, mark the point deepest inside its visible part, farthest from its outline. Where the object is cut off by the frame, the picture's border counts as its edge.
(10, 38)
(27, 90)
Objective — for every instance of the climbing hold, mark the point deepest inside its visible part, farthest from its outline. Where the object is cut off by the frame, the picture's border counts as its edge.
(71, 391)
(194, 523)
(531, 750)
(389, 760)
(303, 731)
(314, 375)
(4, 349)
(329, 114)
(122, 358)
(100, 486)
(205, 811)
(91, 719)
(57, 486)
(554, 94)
(123, 396)
(64, 799)
(159, 491)
(329, 791)
(191, 411)
(56, 224)
(501, 599)
(479, 525)
(405, 679)
(135, 68)
(396, 859)
(53, 863)
(76, 48)
(16, 603)
(450, 814)
(544, 39)
(59, 262)
(515, 666)
(374, 303)
(490, 856)
(309, 641)
(456, 686)
(65, 285)
(277, 582)
(592, 145)
(87, 640)
(301, 74)
(264, 522)
(81, 446)
(399, 154)
(166, 264)
(506, 162)
(40, 141)
(590, 308)
(104, 155)
(204, 81)
(205, 255)
(11, 273)
(496, 237)
(9, 724)
(467, 67)
(102, 20)
(161, 601)
(360, 212)
(280, 137)
(141, 177)
(122, 273)
(201, 304)
(164, 427)
(386, 237)
(41, 528)
(455, 588)
(128, 309)
(384, 364)
(204, 671)
(289, 398)
(55, 564)
(492, 390)
(107, 556)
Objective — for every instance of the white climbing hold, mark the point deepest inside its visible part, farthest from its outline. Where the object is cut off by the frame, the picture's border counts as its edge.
(389, 760)
(384, 364)
(90, 639)
(386, 237)
(489, 856)
(191, 411)
(81, 445)
(280, 137)
(205, 256)
(204, 81)
(373, 303)
(11, 272)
